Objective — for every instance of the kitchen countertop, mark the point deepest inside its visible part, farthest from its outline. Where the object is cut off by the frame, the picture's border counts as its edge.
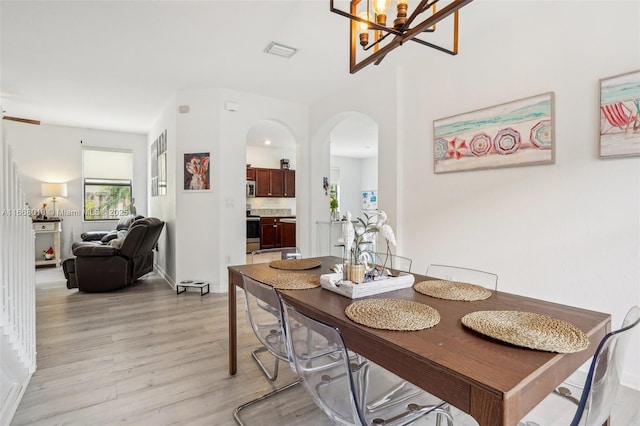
(272, 213)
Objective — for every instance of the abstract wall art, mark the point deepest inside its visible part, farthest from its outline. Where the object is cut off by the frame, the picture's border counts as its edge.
(620, 115)
(516, 133)
(196, 172)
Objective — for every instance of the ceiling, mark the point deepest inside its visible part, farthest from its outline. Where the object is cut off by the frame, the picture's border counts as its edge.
(114, 65)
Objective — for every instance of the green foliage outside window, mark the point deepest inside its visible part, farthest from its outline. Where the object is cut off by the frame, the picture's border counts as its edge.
(106, 199)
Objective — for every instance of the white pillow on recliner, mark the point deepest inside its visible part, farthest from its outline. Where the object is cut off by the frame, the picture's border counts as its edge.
(116, 243)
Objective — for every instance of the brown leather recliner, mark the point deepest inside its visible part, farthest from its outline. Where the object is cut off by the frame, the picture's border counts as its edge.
(124, 223)
(104, 267)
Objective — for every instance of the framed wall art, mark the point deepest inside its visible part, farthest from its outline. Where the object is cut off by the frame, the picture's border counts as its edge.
(516, 133)
(158, 160)
(620, 115)
(196, 172)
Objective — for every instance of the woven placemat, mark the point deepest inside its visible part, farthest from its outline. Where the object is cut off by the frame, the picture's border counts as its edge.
(529, 330)
(295, 264)
(392, 314)
(452, 290)
(293, 281)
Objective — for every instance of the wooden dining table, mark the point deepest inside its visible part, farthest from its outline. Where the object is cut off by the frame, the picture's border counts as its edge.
(495, 382)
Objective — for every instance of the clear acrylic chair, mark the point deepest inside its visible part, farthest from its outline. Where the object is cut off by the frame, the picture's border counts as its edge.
(603, 379)
(264, 316)
(351, 393)
(466, 275)
(278, 253)
(393, 261)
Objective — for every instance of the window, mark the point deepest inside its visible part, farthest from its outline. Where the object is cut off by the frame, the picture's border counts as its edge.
(107, 177)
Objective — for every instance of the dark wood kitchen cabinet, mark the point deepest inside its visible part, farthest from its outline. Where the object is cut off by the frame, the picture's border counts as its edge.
(275, 233)
(251, 173)
(263, 183)
(288, 234)
(270, 232)
(289, 183)
(275, 183)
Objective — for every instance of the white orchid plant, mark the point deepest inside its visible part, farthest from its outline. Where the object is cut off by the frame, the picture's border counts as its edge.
(357, 239)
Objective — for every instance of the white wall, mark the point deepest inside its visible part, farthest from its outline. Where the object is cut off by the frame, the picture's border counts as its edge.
(350, 186)
(207, 230)
(327, 113)
(567, 232)
(270, 157)
(48, 153)
(369, 173)
(164, 207)
(234, 127)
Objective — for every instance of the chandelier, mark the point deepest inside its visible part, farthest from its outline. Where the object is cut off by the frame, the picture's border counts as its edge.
(370, 16)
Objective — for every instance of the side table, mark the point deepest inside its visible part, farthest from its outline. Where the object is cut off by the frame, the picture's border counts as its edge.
(49, 226)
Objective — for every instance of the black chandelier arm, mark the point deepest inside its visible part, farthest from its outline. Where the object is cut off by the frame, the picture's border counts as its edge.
(369, 46)
(424, 43)
(372, 25)
(401, 34)
(435, 46)
(420, 8)
(408, 34)
(435, 18)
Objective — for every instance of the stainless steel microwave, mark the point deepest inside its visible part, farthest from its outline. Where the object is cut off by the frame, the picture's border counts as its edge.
(251, 188)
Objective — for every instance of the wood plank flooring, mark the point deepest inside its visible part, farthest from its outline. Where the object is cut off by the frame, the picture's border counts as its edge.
(146, 356)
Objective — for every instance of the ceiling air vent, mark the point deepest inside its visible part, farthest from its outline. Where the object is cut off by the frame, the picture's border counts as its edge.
(280, 50)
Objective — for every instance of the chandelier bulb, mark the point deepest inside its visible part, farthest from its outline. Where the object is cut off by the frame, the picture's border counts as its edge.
(380, 9)
(380, 6)
(402, 14)
(363, 28)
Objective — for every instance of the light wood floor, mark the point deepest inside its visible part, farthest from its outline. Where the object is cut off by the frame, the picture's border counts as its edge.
(146, 356)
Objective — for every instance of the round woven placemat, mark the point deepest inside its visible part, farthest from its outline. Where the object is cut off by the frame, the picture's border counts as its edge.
(392, 314)
(295, 264)
(452, 290)
(293, 281)
(529, 330)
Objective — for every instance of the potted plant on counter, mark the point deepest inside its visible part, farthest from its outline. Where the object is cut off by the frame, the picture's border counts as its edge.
(333, 206)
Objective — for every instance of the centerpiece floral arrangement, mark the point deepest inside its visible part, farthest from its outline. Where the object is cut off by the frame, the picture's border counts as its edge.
(358, 240)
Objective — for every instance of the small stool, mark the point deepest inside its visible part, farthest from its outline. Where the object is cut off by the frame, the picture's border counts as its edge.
(190, 283)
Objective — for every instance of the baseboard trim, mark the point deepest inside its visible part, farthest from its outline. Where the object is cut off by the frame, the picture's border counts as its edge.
(158, 269)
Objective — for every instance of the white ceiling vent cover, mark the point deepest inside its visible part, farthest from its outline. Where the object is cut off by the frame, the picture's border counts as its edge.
(280, 50)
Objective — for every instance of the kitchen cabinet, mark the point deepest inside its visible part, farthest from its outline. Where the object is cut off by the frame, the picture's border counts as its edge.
(251, 173)
(263, 183)
(277, 232)
(288, 233)
(289, 183)
(270, 232)
(275, 183)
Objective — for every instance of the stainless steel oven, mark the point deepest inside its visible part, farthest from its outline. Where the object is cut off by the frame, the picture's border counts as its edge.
(253, 233)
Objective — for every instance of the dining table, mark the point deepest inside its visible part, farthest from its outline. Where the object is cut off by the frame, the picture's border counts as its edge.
(497, 383)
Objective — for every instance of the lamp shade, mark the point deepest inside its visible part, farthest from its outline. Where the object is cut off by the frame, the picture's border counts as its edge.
(53, 189)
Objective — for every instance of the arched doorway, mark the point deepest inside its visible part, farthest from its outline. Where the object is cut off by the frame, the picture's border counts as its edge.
(353, 151)
(345, 153)
(269, 145)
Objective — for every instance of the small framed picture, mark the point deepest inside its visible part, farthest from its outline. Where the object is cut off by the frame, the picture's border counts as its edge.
(196, 172)
(620, 115)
